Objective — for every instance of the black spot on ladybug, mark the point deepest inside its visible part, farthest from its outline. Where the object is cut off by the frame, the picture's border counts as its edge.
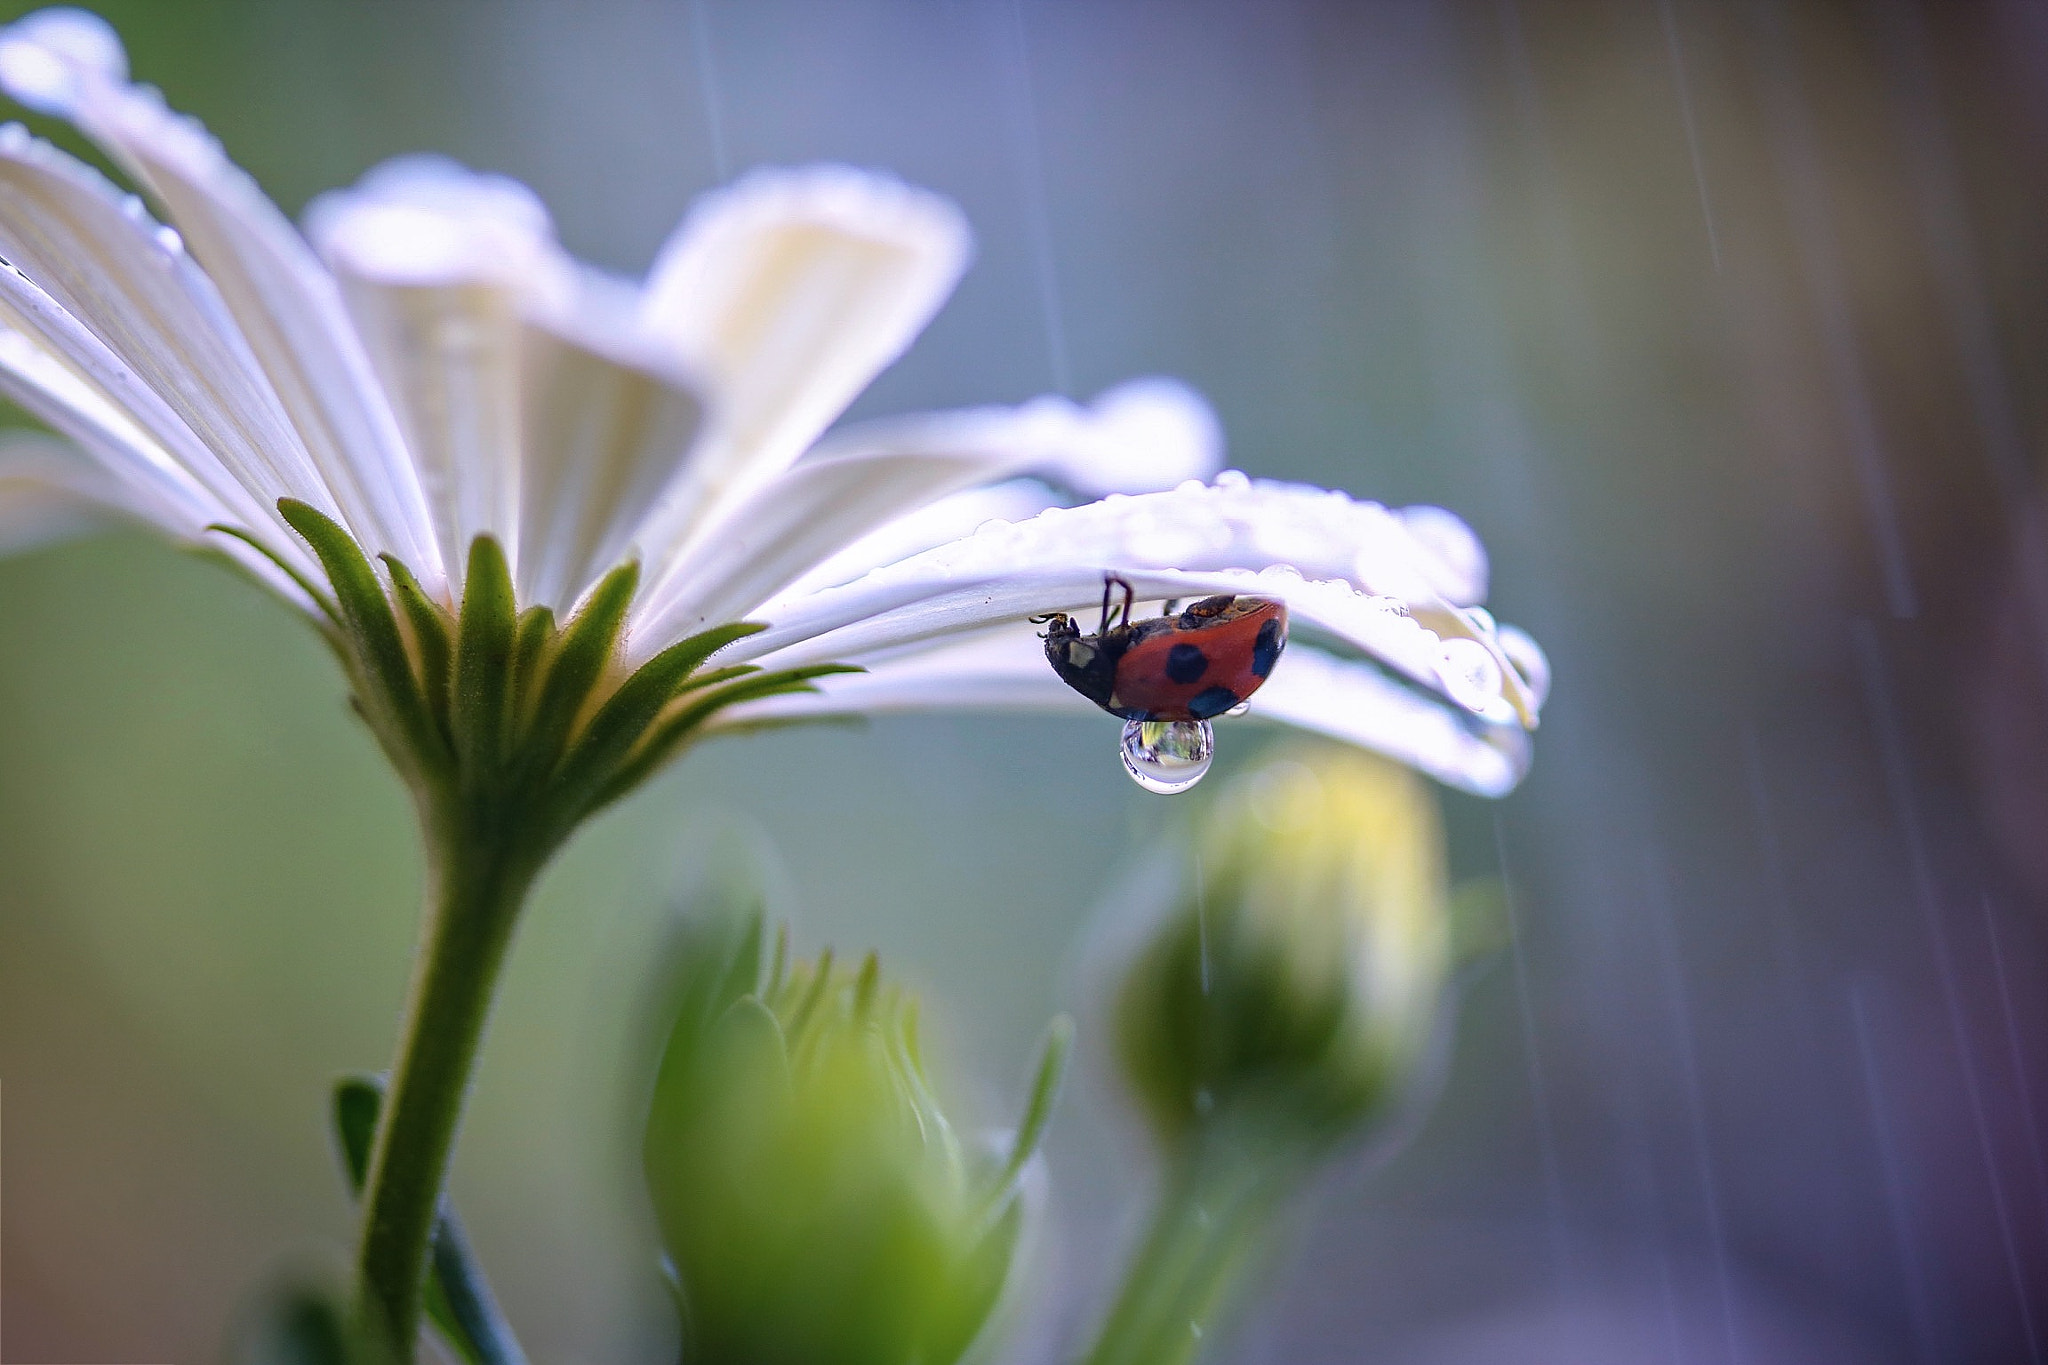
(1185, 663)
(1266, 649)
(1211, 701)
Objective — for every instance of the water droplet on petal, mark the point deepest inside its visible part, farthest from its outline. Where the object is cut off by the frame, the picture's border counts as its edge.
(1167, 756)
(1234, 479)
(168, 239)
(1470, 674)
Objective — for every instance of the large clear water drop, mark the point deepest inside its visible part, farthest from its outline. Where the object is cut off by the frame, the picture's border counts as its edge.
(1167, 755)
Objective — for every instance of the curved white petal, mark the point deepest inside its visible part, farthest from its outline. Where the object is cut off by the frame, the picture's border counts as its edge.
(1143, 436)
(1454, 560)
(1232, 537)
(437, 266)
(79, 248)
(1005, 669)
(287, 307)
(47, 493)
(857, 479)
(65, 375)
(927, 528)
(788, 525)
(603, 432)
(789, 292)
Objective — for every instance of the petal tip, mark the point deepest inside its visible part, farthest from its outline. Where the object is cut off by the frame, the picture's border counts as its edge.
(45, 56)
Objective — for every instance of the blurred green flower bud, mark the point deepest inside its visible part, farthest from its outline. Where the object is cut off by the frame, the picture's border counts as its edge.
(1297, 980)
(816, 1205)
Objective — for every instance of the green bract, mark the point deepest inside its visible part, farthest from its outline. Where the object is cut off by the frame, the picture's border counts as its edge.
(506, 726)
(816, 1205)
(1301, 972)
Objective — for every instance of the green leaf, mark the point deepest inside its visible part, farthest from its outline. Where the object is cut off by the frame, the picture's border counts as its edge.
(302, 1320)
(578, 664)
(483, 660)
(459, 1301)
(384, 668)
(358, 1098)
(430, 635)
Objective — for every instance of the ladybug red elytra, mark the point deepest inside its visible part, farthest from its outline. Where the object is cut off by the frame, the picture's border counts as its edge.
(1189, 665)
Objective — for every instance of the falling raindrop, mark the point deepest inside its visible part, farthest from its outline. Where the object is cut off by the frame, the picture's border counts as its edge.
(1167, 755)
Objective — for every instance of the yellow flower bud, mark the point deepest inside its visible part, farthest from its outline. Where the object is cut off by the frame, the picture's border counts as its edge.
(1299, 976)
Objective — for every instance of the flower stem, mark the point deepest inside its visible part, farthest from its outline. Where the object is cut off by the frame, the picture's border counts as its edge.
(476, 888)
(1212, 1214)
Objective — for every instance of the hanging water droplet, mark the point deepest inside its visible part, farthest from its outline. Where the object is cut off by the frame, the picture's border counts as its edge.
(1240, 709)
(1167, 755)
(1470, 674)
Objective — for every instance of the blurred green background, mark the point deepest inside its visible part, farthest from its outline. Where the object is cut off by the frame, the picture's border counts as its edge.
(1722, 323)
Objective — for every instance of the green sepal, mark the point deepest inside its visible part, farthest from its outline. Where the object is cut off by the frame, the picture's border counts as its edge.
(365, 616)
(481, 715)
(711, 677)
(305, 584)
(1045, 1093)
(591, 764)
(667, 737)
(586, 649)
(458, 1299)
(530, 646)
(978, 1283)
(431, 635)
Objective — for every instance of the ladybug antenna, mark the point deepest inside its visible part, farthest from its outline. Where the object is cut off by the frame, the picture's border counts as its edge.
(1056, 623)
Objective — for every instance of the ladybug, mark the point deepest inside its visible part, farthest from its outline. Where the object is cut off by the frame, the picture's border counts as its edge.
(1187, 665)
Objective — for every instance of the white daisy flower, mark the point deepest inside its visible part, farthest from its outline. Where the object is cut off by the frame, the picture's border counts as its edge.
(425, 366)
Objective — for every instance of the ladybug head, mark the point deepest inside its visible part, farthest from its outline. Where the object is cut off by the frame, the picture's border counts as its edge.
(1082, 661)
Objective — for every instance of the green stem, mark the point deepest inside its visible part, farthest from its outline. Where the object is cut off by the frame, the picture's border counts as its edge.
(1211, 1218)
(476, 888)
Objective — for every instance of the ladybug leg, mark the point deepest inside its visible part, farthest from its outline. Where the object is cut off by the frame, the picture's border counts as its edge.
(1110, 582)
(1172, 606)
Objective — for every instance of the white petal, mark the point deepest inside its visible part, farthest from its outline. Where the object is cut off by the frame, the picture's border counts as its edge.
(48, 493)
(604, 432)
(1143, 436)
(428, 220)
(927, 528)
(1346, 699)
(287, 306)
(852, 483)
(789, 292)
(1230, 538)
(103, 262)
(435, 264)
(856, 479)
(68, 378)
(1453, 558)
